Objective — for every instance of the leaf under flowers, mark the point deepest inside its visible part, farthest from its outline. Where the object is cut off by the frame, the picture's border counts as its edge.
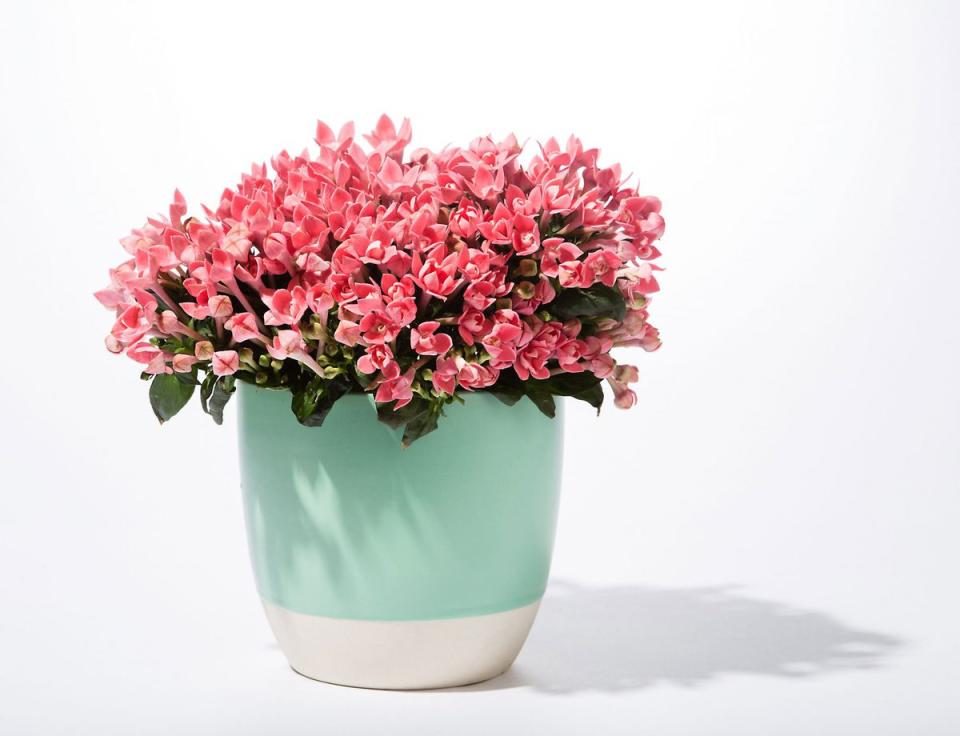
(168, 395)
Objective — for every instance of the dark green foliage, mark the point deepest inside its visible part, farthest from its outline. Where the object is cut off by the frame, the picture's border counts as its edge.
(597, 302)
(168, 395)
(312, 402)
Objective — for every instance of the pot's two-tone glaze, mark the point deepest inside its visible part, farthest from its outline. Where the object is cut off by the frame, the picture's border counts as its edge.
(402, 568)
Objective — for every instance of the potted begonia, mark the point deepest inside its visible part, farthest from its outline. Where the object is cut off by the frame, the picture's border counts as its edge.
(400, 329)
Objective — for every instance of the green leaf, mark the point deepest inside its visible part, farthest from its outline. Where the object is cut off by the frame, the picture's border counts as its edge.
(313, 402)
(596, 302)
(405, 414)
(222, 391)
(592, 395)
(188, 378)
(168, 395)
(542, 398)
(421, 425)
(509, 395)
(584, 386)
(206, 390)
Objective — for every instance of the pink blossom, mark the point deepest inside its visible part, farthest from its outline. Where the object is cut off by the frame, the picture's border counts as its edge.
(378, 328)
(555, 252)
(426, 341)
(220, 306)
(225, 362)
(285, 307)
(347, 333)
(396, 389)
(375, 359)
(526, 235)
(445, 375)
(472, 376)
(244, 327)
(604, 265)
(183, 363)
(438, 275)
(501, 341)
(464, 219)
(471, 324)
(457, 253)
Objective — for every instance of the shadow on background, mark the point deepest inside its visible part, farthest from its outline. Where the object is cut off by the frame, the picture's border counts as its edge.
(628, 638)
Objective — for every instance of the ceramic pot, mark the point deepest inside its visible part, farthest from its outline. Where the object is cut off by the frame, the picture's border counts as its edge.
(401, 568)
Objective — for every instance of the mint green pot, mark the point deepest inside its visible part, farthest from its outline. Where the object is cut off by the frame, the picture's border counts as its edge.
(385, 566)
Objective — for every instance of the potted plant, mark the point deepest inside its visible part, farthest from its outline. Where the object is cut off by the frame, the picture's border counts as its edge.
(399, 330)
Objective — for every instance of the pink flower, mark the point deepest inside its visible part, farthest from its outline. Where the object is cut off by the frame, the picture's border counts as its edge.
(485, 183)
(237, 242)
(438, 275)
(286, 343)
(501, 341)
(526, 235)
(220, 306)
(347, 333)
(225, 362)
(624, 397)
(537, 347)
(445, 376)
(154, 359)
(396, 389)
(244, 327)
(377, 328)
(387, 140)
(333, 256)
(472, 376)
(426, 341)
(555, 252)
(285, 307)
(576, 274)
(203, 350)
(464, 220)
(604, 265)
(377, 358)
(183, 363)
(471, 324)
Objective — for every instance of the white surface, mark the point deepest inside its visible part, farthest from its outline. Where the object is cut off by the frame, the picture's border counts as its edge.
(766, 545)
(401, 655)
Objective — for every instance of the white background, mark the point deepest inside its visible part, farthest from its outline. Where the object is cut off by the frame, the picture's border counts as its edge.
(767, 544)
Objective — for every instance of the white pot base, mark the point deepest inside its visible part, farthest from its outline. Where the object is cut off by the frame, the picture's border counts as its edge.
(401, 655)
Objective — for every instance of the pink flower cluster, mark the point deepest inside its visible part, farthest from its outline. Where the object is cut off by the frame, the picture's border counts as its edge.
(409, 276)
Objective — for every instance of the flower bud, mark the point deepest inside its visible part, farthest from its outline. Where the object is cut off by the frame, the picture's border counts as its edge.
(247, 357)
(527, 267)
(183, 363)
(525, 290)
(203, 350)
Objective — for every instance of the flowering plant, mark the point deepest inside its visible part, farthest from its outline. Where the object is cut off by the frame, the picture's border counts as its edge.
(359, 270)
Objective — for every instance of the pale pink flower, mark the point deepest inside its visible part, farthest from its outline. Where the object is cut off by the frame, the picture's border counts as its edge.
(244, 327)
(203, 350)
(183, 363)
(286, 343)
(225, 362)
(285, 307)
(347, 333)
(220, 306)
